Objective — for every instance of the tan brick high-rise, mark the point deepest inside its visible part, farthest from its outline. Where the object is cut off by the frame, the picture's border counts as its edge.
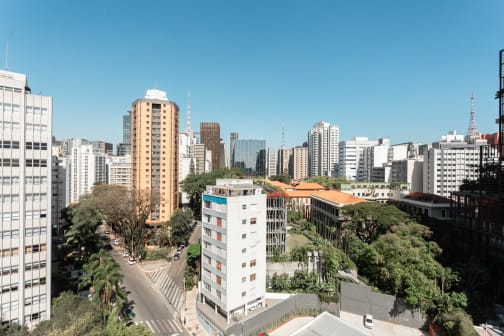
(154, 152)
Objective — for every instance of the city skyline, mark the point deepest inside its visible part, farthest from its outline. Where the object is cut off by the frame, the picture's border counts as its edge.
(395, 70)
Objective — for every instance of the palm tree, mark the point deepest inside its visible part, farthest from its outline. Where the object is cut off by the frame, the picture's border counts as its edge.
(103, 274)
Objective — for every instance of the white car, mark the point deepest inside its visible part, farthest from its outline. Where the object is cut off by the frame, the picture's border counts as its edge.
(125, 254)
(368, 321)
(131, 261)
(116, 242)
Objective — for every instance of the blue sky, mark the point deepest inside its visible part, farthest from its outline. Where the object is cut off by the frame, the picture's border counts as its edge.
(392, 68)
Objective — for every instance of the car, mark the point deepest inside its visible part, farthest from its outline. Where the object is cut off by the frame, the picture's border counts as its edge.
(107, 232)
(131, 261)
(116, 241)
(176, 257)
(368, 321)
(179, 248)
(128, 313)
(125, 254)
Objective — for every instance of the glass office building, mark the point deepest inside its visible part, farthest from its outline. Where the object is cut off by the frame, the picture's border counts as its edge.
(250, 155)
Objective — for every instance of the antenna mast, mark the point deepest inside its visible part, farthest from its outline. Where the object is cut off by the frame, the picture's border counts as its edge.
(472, 134)
(6, 66)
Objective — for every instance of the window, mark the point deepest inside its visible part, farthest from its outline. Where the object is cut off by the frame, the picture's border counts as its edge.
(208, 232)
(244, 206)
(244, 250)
(219, 265)
(207, 205)
(219, 222)
(244, 221)
(244, 235)
(244, 265)
(218, 280)
(252, 277)
(207, 286)
(253, 220)
(218, 293)
(252, 263)
(244, 294)
(244, 279)
(219, 236)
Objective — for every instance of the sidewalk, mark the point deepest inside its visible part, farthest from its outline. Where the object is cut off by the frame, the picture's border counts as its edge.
(192, 325)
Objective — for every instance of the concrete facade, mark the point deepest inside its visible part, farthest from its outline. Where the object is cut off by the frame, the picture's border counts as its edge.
(233, 257)
(300, 163)
(25, 214)
(154, 153)
(323, 155)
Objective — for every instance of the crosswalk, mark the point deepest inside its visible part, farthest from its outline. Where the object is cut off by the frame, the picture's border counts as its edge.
(168, 287)
(163, 327)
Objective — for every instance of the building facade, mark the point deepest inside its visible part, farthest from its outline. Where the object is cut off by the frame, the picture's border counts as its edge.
(351, 160)
(119, 170)
(250, 156)
(154, 142)
(88, 167)
(272, 162)
(448, 163)
(210, 136)
(300, 162)
(323, 153)
(284, 161)
(25, 175)
(233, 255)
(276, 224)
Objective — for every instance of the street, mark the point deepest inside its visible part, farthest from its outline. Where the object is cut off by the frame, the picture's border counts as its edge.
(149, 306)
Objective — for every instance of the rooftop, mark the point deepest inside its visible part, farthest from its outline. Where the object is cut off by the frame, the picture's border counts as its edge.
(426, 198)
(338, 197)
(327, 324)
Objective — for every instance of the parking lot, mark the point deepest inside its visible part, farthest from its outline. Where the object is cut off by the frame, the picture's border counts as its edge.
(381, 328)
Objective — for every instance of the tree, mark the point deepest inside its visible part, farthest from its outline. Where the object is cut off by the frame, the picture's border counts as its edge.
(113, 202)
(104, 275)
(85, 219)
(116, 327)
(71, 315)
(195, 185)
(181, 226)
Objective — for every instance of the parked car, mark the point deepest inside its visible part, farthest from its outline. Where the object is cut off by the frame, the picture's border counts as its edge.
(131, 261)
(368, 321)
(116, 241)
(176, 256)
(125, 254)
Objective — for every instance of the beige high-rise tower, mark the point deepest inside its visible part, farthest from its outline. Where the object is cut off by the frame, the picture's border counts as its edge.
(154, 152)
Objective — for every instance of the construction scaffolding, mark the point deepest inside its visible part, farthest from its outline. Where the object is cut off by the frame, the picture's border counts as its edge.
(478, 209)
(276, 224)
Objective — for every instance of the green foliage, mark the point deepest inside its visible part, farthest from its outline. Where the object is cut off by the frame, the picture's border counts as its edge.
(281, 178)
(116, 327)
(193, 254)
(181, 226)
(104, 275)
(157, 254)
(457, 323)
(327, 181)
(195, 185)
(71, 315)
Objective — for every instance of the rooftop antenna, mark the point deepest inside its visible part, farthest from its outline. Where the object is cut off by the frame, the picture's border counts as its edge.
(283, 135)
(6, 66)
(188, 127)
(472, 134)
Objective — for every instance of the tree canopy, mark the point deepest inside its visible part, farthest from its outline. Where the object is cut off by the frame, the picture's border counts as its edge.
(195, 185)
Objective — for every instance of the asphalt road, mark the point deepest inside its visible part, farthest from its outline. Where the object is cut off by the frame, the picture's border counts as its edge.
(149, 305)
(177, 267)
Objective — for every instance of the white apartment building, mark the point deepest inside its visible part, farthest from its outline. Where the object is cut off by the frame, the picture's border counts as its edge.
(299, 163)
(351, 161)
(60, 188)
(271, 162)
(25, 200)
(375, 157)
(323, 153)
(233, 256)
(87, 168)
(119, 170)
(448, 163)
(408, 171)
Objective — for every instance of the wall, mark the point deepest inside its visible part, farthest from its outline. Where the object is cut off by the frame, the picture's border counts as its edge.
(360, 300)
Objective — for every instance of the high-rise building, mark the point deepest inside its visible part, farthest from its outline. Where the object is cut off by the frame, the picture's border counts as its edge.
(25, 175)
(375, 158)
(449, 162)
(88, 167)
(271, 164)
(284, 160)
(323, 153)
(250, 155)
(124, 148)
(203, 158)
(210, 136)
(119, 170)
(232, 139)
(300, 162)
(351, 162)
(233, 256)
(155, 146)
